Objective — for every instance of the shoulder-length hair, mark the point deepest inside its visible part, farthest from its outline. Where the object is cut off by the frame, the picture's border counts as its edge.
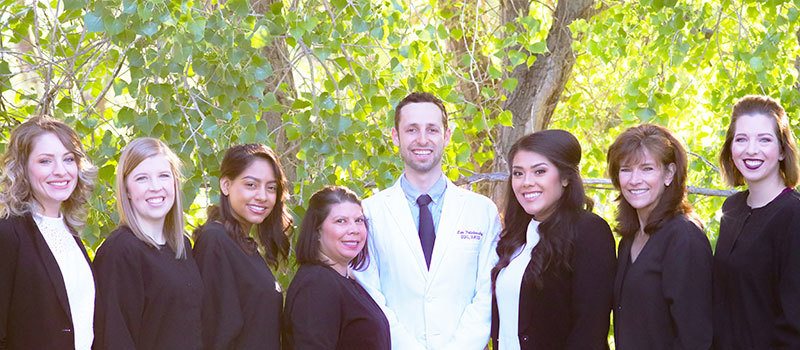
(16, 195)
(772, 109)
(319, 206)
(273, 232)
(557, 231)
(664, 147)
(133, 154)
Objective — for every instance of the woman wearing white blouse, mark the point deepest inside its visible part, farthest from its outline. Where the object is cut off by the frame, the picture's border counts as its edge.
(47, 290)
(553, 280)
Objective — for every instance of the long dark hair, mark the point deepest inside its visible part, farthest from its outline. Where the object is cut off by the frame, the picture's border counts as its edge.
(307, 250)
(665, 148)
(273, 232)
(557, 231)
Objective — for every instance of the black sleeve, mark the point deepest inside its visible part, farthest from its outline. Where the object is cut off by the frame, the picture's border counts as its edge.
(9, 250)
(594, 265)
(315, 316)
(787, 324)
(686, 280)
(222, 311)
(120, 296)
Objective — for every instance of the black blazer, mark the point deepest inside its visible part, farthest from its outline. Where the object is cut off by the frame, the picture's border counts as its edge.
(34, 310)
(572, 310)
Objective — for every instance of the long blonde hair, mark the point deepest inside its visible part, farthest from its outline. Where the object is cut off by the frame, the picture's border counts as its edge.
(16, 195)
(133, 154)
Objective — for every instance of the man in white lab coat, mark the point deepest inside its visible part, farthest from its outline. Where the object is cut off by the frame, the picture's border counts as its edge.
(439, 297)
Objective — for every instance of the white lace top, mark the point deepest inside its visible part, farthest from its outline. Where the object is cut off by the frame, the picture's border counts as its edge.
(77, 276)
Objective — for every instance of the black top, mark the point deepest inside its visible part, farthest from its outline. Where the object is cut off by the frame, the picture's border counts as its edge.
(571, 311)
(146, 299)
(242, 302)
(663, 299)
(757, 274)
(327, 311)
(34, 310)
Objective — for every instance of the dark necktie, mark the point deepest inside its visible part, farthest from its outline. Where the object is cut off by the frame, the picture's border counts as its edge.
(426, 230)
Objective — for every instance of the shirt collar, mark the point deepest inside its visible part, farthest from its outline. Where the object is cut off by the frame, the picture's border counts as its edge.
(436, 191)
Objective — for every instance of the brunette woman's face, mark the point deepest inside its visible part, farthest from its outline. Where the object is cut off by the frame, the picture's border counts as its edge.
(343, 233)
(253, 193)
(756, 149)
(643, 183)
(52, 172)
(537, 183)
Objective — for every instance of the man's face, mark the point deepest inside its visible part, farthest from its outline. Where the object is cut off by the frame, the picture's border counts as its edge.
(421, 137)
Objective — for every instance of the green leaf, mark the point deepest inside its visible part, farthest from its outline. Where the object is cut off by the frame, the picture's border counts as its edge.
(506, 118)
(93, 22)
(510, 84)
(757, 64)
(65, 105)
(260, 38)
(70, 5)
(148, 29)
(239, 7)
(645, 114)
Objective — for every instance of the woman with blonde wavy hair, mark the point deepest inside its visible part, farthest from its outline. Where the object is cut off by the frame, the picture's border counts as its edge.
(149, 288)
(46, 286)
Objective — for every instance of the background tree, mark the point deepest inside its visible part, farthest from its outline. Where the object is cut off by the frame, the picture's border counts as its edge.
(317, 80)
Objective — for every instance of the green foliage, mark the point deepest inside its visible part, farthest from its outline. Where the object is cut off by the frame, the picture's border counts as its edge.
(205, 75)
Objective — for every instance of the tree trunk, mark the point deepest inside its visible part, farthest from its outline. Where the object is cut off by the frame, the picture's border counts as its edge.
(539, 87)
(281, 83)
(797, 62)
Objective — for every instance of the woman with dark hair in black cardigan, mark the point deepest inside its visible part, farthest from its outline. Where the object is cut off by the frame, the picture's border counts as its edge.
(662, 291)
(757, 260)
(552, 283)
(242, 302)
(325, 307)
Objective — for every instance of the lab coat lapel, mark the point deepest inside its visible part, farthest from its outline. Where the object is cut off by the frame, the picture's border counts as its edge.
(397, 206)
(452, 209)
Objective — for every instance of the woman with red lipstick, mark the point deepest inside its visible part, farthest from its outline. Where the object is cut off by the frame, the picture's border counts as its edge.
(325, 307)
(47, 291)
(149, 289)
(242, 302)
(662, 290)
(552, 282)
(757, 259)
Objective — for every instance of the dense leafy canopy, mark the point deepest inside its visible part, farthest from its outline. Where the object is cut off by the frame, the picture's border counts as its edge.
(317, 79)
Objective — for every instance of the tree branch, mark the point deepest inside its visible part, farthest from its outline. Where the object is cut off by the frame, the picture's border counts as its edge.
(601, 184)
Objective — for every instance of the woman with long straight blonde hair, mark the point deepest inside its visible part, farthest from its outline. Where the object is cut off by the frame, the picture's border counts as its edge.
(149, 288)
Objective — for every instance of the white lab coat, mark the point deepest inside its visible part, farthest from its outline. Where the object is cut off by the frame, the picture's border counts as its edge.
(448, 306)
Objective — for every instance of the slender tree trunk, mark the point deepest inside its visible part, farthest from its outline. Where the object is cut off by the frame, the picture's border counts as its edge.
(539, 87)
(281, 83)
(797, 62)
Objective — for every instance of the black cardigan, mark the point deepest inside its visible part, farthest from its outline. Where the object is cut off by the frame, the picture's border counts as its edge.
(663, 299)
(325, 310)
(34, 310)
(242, 302)
(757, 274)
(146, 299)
(572, 309)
